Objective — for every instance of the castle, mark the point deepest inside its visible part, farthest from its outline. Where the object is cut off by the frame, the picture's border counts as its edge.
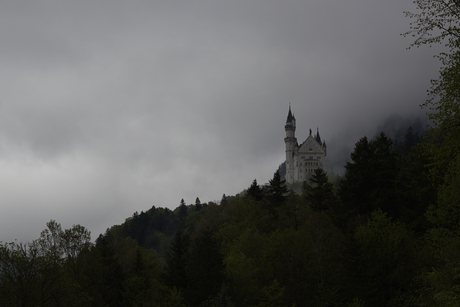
(302, 160)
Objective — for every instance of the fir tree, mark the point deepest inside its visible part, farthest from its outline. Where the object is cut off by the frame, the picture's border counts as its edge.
(198, 205)
(277, 191)
(319, 194)
(176, 263)
(255, 191)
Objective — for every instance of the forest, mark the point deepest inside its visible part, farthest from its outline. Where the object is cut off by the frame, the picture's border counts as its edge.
(386, 233)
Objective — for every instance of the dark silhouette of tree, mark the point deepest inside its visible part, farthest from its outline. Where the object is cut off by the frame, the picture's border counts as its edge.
(182, 209)
(277, 193)
(205, 268)
(369, 181)
(224, 200)
(255, 191)
(198, 205)
(175, 274)
(319, 193)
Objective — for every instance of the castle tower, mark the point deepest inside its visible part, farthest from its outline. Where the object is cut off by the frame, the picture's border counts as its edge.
(302, 160)
(290, 142)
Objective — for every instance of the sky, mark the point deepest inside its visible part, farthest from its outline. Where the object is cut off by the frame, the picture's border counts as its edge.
(111, 107)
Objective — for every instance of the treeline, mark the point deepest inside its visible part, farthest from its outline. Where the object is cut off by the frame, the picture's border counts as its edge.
(387, 235)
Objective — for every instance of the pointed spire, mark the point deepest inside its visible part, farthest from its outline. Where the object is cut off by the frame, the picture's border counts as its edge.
(289, 117)
(318, 138)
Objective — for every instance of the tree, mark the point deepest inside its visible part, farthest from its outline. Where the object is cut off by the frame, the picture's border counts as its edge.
(369, 181)
(19, 276)
(277, 191)
(272, 295)
(438, 21)
(205, 268)
(319, 194)
(40, 273)
(255, 191)
(384, 261)
(198, 205)
(175, 274)
(224, 200)
(182, 209)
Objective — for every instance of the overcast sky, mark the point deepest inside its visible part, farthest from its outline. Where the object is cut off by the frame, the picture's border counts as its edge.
(111, 107)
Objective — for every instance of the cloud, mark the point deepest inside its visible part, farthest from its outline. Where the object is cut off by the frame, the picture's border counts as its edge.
(112, 107)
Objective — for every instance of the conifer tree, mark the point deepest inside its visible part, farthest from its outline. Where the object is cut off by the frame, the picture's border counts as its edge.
(255, 191)
(319, 194)
(176, 263)
(205, 268)
(198, 205)
(369, 181)
(277, 191)
(182, 209)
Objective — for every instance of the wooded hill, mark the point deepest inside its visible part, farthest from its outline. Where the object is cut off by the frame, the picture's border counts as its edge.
(386, 236)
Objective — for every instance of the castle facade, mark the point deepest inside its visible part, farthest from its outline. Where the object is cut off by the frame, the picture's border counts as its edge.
(302, 160)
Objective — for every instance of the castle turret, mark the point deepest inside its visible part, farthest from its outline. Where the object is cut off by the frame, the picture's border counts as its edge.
(290, 142)
(318, 138)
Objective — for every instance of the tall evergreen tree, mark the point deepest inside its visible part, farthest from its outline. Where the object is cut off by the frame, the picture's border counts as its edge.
(277, 191)
(175, 274)
(182, 209)
(255, 191)
(205, 268)
(369, 181)
(319, 193)
(198, 205)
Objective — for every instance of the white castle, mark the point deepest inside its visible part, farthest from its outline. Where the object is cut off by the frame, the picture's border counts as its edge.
(302, 160)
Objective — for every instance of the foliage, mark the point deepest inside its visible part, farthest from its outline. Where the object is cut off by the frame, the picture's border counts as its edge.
(255, 191)
(385, 259)
(369, 181)
(319, 193)
(438, 22)
(277, 192)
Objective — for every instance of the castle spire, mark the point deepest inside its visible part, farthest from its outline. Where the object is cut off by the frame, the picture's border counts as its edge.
(289, 117)
(318, 138)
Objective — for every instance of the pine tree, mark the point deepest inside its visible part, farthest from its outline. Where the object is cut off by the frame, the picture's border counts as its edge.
(205, 268)
(176, 263)
(319, 194)
(255, 191)
(182, 209)
(277, 192)
(369, 181)
(198, 205)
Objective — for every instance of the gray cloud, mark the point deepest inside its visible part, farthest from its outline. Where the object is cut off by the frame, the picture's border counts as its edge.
(110, 107)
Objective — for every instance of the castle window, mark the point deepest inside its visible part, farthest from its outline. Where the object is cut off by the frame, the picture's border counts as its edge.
(310, 149)
(318, 157)
(311, 157)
